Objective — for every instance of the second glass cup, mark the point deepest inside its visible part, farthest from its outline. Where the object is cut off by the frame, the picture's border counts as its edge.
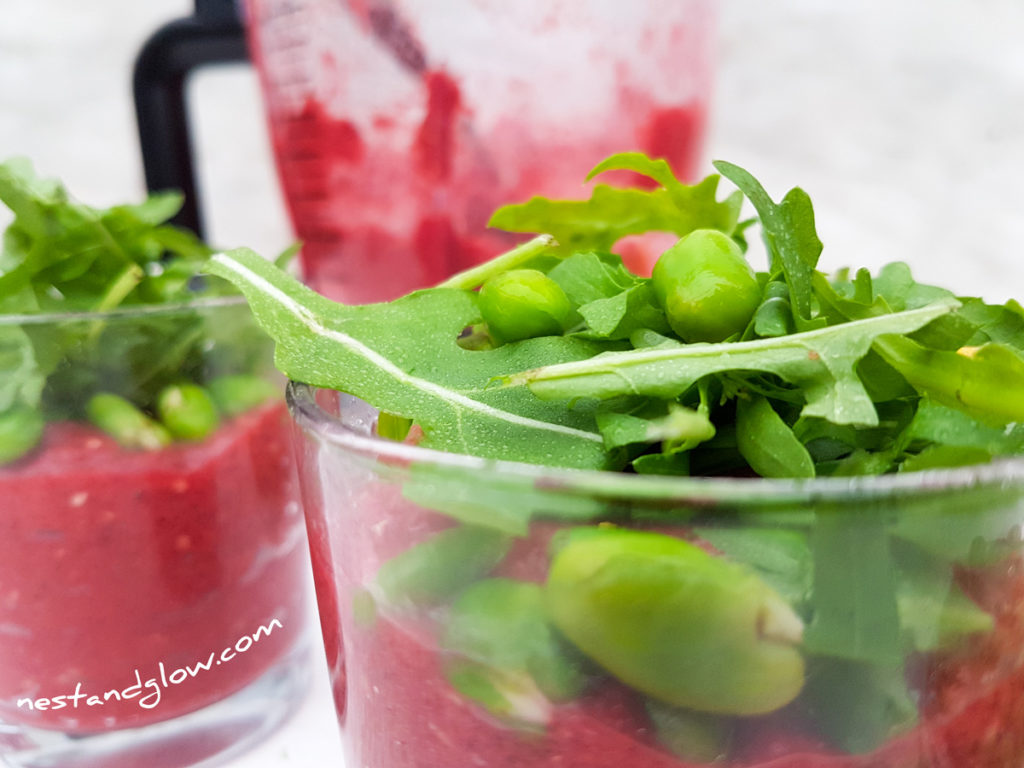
(152, 548)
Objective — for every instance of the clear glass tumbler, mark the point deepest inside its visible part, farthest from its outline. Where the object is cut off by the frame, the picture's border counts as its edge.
(480, 613)
(152, 572)
(399, 126)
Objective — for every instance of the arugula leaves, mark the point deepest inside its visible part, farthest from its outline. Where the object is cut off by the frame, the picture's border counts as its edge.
(793, 244)
(613, 213)
(62, 257)
(835, 367)
(820, 362)
(986, 381)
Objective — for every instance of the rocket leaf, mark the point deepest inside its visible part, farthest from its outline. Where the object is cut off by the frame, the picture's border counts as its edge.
(613, 213)
(855, 615)
(822, 362)
(865, 351)
(986, 381)
(403, 357)
(789, 234)
(767, 442)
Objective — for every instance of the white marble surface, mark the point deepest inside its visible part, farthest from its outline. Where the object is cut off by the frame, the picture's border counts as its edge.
(904, 121)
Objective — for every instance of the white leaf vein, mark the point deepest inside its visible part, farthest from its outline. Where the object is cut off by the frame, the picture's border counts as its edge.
(314, 326)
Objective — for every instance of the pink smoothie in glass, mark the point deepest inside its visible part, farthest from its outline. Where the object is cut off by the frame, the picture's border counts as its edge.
(139, 585)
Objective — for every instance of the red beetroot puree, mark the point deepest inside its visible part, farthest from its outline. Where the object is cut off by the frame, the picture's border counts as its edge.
(117, 561)
(388, 203)
(324, 169)
(399, 711)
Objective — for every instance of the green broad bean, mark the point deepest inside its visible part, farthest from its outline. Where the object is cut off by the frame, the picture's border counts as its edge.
(522, 304)
(236, 394)
(129, 426)
(706, 287)
(187, 411)
(501, 624)
(21, 429)
(676, 623)
(512, 697)
(438, 568)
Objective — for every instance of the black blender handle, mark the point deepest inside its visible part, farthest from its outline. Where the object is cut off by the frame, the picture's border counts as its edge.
(212, 35)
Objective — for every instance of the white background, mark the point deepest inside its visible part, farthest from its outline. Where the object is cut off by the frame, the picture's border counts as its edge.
(904, 120)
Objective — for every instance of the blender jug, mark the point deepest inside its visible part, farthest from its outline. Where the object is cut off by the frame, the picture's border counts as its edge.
(399, 126)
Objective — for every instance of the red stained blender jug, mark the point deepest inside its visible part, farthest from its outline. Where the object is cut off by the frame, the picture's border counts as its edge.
(399, 126)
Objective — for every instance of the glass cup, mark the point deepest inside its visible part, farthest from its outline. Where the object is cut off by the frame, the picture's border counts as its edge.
(496, 614)
(399, 127)
(152, 587)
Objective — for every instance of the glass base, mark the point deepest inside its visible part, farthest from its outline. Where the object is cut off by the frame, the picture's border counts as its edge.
(207, 737)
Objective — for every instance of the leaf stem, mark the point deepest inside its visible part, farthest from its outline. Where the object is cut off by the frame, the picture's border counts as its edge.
(120, 287)
(474, 277)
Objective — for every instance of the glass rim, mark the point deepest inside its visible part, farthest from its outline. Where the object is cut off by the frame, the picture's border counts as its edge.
(132, 311)
(1004, 472)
